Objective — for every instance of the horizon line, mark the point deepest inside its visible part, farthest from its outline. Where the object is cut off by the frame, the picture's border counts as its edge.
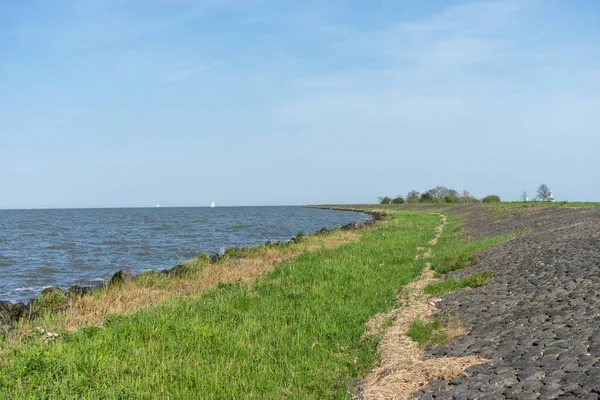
(125, 207)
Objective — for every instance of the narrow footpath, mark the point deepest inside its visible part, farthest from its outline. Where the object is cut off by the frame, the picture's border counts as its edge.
(403, 368)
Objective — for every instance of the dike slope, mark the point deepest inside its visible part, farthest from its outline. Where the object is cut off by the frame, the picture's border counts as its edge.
(538, 320)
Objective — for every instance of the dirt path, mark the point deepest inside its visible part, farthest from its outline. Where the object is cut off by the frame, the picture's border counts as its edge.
(403, 368)
(538, 320)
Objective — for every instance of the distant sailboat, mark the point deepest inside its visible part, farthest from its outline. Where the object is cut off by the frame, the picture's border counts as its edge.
(213, 204)
(158, 205)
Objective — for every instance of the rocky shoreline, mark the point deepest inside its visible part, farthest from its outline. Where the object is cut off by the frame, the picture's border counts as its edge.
(11, 313)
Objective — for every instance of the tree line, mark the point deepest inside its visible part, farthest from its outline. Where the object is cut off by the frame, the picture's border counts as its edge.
(442, 194)
(438, 194)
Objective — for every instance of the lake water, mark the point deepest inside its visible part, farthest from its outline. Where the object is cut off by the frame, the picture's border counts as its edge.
(41, 248)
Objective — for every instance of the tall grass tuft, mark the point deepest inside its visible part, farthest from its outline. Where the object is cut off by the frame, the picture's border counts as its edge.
(451, 285)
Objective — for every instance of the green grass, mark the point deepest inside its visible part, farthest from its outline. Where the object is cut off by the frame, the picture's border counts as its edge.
(293, 334)
(50, 301)
(452, 253)
(451, 285)
(427, 333)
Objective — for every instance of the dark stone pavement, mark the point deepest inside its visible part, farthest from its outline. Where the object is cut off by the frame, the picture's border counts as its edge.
(538, 320)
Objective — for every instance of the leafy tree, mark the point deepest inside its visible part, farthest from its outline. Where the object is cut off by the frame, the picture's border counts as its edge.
(426, 197)
(384, 200)
(443, 194)
(544, 193)
(413, 196)
(398, 200)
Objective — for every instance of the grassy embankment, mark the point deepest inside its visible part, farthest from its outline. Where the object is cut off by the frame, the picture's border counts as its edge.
(296, 332)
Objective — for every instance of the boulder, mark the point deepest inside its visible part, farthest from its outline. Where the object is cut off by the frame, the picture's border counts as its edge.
(18, 311)
(123, 276)
(353, 225)
(77, 290)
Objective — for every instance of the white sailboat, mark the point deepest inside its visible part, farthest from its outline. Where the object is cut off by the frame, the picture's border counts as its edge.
(213, 204)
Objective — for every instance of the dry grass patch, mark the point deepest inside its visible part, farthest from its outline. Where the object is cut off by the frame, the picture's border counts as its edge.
(379, 322)
(454, 328)
(403, 369)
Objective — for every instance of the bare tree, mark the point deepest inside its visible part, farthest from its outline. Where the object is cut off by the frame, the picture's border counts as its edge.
(543, 192)
(467, 197)
(524, 196)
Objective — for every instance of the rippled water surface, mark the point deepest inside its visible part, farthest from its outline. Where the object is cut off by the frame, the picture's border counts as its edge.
(40, 248)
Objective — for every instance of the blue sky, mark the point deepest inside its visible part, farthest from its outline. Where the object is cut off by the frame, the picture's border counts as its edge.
(133, 103)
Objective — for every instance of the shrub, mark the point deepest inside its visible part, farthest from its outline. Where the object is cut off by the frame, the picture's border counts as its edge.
(384, 200)
(426, 198)
(491, 198)
(398, 200)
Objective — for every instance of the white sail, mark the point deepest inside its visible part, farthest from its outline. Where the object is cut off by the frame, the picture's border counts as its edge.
(213, 204)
